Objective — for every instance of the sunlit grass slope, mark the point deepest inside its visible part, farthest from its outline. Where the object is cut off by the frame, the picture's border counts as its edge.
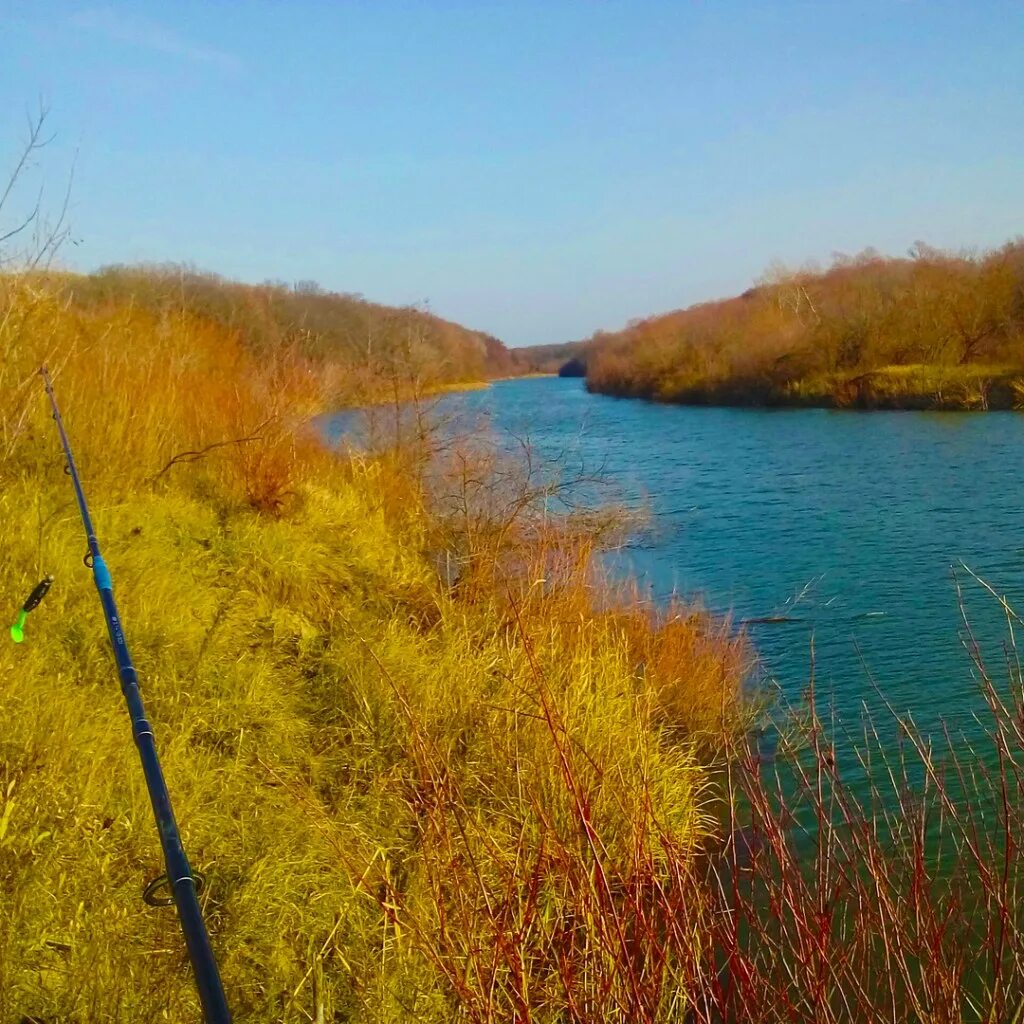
(413, 795)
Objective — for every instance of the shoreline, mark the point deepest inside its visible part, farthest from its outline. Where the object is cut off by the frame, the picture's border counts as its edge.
(908, 389)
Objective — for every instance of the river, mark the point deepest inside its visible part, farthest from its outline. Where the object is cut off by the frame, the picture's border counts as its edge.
(845, 526)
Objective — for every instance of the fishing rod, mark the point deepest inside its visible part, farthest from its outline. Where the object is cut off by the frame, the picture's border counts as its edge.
(180, 878)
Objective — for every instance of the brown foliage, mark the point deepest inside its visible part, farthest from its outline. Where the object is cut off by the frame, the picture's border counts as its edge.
(331, 329)
(803, 335)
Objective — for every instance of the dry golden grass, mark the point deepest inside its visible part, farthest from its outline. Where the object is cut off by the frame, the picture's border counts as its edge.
(367, 756)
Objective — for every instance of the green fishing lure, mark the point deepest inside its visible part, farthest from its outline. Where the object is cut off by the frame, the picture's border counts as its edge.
(18, 628)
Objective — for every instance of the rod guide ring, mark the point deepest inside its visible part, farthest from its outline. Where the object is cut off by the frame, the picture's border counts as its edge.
(152, 893)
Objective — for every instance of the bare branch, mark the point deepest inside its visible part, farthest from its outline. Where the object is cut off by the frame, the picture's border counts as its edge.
(201, 453)
(33, 143)
(46, 237)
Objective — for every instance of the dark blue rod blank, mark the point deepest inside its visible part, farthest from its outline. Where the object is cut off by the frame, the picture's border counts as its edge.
(179, 874)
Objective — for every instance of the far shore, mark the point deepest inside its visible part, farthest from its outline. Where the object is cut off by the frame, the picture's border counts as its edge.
(920, 387)
(482, 385)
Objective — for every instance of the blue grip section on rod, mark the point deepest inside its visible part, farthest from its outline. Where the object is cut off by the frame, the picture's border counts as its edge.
(101, 574)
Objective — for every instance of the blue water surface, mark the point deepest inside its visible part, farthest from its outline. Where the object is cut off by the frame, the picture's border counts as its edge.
(845, 524)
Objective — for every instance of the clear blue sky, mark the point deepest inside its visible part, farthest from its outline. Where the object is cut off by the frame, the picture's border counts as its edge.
(537, 170)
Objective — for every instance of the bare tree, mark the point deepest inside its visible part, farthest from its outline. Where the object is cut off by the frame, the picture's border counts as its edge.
(30, 239)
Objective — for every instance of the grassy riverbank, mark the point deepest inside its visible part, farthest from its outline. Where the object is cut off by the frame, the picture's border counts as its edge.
(433, 766)
(414, 794)
(934, 331)
(889, 387)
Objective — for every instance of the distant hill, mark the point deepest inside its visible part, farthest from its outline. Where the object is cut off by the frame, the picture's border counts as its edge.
(933, 329)
(373, 340)
(550, 358)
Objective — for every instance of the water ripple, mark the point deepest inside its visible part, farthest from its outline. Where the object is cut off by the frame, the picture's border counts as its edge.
(847, 524)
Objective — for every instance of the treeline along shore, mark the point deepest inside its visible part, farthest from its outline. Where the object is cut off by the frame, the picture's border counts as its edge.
(932, 330)
(353, 342)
